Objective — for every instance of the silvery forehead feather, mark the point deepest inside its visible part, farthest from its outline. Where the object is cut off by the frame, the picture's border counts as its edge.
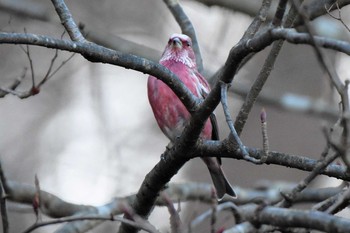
(180, 56)
(181, 36)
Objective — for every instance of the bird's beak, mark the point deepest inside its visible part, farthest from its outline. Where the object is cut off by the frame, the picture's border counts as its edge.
(177, 43)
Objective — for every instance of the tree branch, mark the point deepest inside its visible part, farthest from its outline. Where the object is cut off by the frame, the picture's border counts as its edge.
(285, 218)
(67, 20)
(3, 197)
(225, 149)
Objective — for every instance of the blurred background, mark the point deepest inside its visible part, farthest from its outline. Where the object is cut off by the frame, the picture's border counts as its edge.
(90, 134)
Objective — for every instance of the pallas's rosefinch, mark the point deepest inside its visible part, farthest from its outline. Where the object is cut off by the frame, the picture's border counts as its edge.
(170, 113)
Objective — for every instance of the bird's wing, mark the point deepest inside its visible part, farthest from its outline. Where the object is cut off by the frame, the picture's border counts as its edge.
(205, 88)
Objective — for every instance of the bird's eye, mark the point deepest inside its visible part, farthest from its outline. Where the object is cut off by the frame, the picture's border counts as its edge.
(188, 43)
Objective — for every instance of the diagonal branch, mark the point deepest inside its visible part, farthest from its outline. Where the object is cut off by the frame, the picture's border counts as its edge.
(67, 20)
(263, 76)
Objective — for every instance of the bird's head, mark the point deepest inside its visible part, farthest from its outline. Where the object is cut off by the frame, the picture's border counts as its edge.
(179, 49)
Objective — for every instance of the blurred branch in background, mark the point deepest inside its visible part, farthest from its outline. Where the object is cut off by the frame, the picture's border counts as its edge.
(291, 102)
(105, 38)
(249, 7)
(26, 9)
(313, 8)
(56, 208)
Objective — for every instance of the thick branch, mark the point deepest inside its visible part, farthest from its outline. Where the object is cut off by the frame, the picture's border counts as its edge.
(226, 150)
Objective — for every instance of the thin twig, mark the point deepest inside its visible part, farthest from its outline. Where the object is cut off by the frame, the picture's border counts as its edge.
(339, 18)
(176, 225)
(221, 207)
(266, 146)
(321, 165)
(130, 214)
(35, 89)
(60, 66)
(27, 51)
(37, 198)
(50, 74)
(3, 196)
(233, 135)
(213, 218)
(14, 85)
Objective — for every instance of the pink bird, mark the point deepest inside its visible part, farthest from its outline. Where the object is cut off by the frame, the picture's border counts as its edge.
(170, 113)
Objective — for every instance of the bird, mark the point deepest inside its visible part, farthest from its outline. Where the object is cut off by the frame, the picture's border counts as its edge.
(171, 114)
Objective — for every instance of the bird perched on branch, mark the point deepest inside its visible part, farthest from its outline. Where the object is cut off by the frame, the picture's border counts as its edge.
(170, 113)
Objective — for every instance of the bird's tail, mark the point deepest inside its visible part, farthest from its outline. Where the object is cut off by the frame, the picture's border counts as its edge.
(220, 181)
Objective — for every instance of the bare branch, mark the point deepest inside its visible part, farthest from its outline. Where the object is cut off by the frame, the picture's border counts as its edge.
(219, 208)
(262, 77)
(27, 52)
(6, 90)
(317, 8)
(175, 221)
(141, 226)
(68, 21)
(284, 218)
(265, 138)
(234, 138)
(224, 149)
(258, 20)
(21, 193)
(50, 74)
(321, 165)
(339, 17)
